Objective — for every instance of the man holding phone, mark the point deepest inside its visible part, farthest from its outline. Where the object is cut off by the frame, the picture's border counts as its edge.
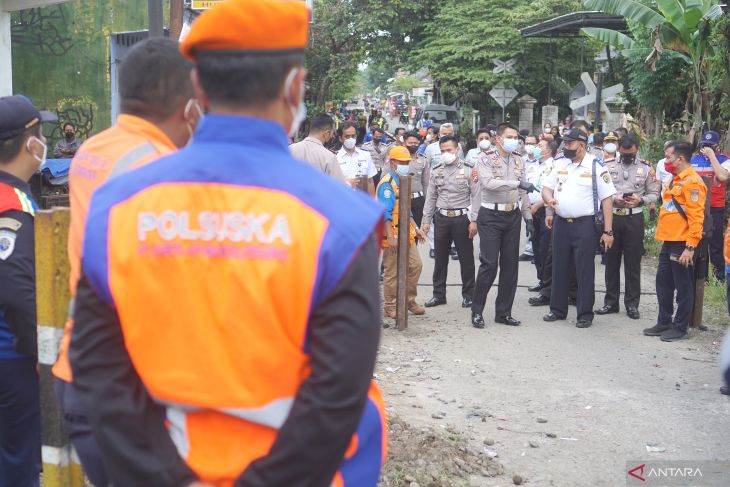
(636, 186)
(680, 229)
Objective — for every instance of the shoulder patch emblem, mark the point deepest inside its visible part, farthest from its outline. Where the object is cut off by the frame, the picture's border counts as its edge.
(7, 243)
(10, 223)
(606, 178)
(387, 193)
(694, 195)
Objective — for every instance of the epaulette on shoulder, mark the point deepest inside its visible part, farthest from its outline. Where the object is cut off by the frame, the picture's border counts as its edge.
(599, 161)
(437, 165)
(468, 163)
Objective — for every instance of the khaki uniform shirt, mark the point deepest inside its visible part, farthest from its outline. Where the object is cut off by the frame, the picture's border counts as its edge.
(419, 170)
(451, 187)
(312, 150)
(499, 179)
(378, 153)
(638, 177)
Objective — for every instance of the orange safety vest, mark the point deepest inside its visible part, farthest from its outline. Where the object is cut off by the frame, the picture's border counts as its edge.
(385, 181)
(689, 191)
(234, 259)
(129, 144)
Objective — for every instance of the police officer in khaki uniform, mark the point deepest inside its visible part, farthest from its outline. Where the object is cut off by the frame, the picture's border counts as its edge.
(378, 149)
(503, 189)
(636, 186)
(451, 190)
(419, 170)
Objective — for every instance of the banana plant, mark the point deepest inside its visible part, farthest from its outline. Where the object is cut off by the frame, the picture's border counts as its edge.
(681, 28)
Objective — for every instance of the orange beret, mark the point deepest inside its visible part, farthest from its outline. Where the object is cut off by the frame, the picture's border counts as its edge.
(399, 153)
(249, 25)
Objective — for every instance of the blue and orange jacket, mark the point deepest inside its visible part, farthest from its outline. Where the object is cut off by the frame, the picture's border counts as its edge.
(388, 194)
(215, 260)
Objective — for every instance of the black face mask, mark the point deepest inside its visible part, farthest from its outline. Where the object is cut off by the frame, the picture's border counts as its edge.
(412, 149)
(570, 153)
(69, 135)
(377, 141)
(628, 158)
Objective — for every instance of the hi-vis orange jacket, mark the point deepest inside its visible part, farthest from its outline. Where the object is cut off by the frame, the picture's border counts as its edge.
(689, 191)
(387, 194)
(233, 291)
(129, 144)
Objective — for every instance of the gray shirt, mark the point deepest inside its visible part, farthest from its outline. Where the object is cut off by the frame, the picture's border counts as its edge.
(499, 179)
(312, 150)
(419, 169)
(637, 177)
(451, 187)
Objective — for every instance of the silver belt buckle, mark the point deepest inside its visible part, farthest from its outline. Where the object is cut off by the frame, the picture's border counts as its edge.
(622, 211)
(450, 213)
(509, 207)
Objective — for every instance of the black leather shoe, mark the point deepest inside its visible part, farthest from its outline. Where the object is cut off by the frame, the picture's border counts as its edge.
(633, 313)
(572, 301)
(477, 320)
(674, 334)
(552, 317)
(466, 302)
(539, 301)
(524, 257)
(432, 253)
(537, 287)
(583, 324)
(507, 320)
(435, 302)
(656, 330)
(454, 256)
(606, 310)
(725, 390)
(452, 252)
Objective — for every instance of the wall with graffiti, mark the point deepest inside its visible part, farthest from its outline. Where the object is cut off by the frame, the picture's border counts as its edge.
(61, 58)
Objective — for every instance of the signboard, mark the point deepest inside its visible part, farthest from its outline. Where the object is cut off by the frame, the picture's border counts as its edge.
(504, 66)
(208, 4)
(591, 96)
(503, 95)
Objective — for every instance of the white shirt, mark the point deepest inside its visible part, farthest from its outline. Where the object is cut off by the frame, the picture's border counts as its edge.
(661, 174)
(472, 157)
(572, 186)
(359, 163)
(535, 174)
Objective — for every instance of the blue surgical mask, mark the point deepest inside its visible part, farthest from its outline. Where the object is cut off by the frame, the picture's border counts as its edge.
(510, 145)
(536, 153)
(402, 169)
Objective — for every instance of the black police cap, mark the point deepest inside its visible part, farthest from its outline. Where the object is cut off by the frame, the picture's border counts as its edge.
(575, 134)
(17, 114)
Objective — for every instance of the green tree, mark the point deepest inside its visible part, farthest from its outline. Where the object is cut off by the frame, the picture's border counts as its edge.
(682, 28)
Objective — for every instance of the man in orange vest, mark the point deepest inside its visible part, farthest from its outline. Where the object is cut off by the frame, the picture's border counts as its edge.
(158, 115)
(680, 228)
(387, 194)
(227, 312)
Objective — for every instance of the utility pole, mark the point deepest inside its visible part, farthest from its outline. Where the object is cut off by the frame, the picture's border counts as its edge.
(177, 11)
(154, 15)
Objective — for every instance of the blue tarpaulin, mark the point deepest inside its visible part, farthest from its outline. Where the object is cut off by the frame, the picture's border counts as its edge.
(55, 171)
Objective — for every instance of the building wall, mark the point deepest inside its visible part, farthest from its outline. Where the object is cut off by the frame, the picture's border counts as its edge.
(61, 58)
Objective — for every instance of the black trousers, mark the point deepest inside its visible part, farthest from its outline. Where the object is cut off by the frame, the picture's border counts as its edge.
(671, 276)
(540, 242)
(574, 243)
(717, 242)
(628, 242)
(456, 230)
(376, 178)
(547, 272)
(499, 248)
(417, 205)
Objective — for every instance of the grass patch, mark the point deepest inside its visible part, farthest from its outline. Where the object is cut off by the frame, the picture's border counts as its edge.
(716, 299)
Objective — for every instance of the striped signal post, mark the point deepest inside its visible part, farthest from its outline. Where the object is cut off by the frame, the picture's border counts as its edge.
(404, 232)
(61, 467)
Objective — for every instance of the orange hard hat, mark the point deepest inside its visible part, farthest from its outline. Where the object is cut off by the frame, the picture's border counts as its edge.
(249, 26)
(400, 153)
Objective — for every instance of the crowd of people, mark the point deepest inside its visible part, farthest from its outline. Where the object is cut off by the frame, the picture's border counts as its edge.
(201, 246)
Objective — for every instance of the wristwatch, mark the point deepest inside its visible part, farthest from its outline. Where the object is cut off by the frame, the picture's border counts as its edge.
(691, 248)
(608, 232)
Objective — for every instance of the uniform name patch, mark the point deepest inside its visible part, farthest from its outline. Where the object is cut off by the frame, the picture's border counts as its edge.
(7, 243)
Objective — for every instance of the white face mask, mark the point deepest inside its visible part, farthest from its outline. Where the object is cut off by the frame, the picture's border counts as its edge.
(485, 144)
(42, 159)
(448, 158)
(529, 150)
(349, 144)
(610, 148)
(193, 104)
(299, 114)
(547, 130)
(429, 137)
